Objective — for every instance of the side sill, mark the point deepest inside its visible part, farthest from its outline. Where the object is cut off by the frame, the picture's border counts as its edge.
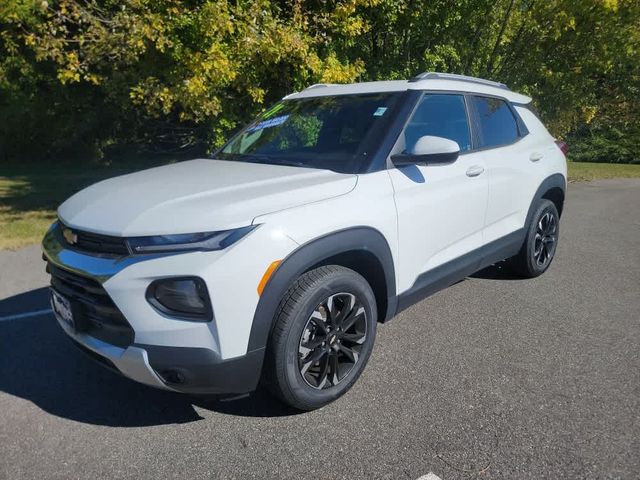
(451, 272)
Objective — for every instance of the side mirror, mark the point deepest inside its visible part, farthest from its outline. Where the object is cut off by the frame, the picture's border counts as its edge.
(429, 150)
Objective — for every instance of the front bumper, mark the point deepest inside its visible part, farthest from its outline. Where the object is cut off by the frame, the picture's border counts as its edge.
(189, 357)
(179, 369)
(132, 361)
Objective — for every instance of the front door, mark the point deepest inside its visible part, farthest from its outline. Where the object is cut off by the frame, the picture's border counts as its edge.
(441, 208)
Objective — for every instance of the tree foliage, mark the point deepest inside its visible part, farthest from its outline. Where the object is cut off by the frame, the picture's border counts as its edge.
(78, 77)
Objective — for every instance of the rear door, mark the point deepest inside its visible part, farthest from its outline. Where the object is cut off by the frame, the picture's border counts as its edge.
(514, 160)
(441, 208)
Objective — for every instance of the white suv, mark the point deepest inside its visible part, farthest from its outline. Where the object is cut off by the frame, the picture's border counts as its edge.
(274, 260)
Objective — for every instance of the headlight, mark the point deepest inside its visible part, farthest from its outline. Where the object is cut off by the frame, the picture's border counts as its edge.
(204, 241)
(181, 297)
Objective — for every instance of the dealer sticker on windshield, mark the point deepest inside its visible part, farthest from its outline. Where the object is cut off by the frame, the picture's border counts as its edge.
(272, 122)
(379, 111)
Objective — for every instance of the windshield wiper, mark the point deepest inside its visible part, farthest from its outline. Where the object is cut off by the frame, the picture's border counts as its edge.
(289, 163)
(262, 158)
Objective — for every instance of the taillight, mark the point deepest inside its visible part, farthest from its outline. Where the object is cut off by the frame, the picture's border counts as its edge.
(563, 146)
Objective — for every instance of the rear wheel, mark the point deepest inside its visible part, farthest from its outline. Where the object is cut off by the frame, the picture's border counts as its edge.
(541, 241)
(322, 338)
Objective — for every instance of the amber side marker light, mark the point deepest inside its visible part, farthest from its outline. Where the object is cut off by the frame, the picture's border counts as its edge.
(267, 275)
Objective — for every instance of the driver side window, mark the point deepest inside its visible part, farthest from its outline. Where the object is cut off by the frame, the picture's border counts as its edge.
(439, 115)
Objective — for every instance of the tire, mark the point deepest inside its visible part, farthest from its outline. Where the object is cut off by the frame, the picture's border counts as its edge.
(540, 244)
(322, 337)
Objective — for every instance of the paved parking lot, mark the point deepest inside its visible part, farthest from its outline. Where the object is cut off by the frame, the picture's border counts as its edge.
(493, 378)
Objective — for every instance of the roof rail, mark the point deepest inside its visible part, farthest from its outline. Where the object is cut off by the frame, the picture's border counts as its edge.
(319, 85)
(458, 78)
(315, 85)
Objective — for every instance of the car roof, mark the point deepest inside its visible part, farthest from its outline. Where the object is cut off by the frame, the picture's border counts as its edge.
(426, 81)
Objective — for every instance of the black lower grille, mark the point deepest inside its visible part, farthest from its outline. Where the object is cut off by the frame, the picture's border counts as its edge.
(99, 316)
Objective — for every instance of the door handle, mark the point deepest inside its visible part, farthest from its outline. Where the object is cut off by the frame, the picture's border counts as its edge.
(475, 170)
(535, 156)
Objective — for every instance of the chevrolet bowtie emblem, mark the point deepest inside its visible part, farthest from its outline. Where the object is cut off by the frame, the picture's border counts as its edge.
(69, 236)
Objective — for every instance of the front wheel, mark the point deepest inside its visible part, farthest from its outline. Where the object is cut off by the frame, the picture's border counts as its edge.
(322, 338)
(541, 242)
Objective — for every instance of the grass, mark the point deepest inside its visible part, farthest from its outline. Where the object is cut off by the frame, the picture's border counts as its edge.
(582, 171)
(30, 195)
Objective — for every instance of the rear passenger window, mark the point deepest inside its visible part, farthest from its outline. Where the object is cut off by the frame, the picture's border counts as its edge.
(439, 116)
(497, 124)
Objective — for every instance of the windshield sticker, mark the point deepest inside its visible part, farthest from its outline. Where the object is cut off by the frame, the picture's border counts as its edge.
(379, 111)
(273, 122)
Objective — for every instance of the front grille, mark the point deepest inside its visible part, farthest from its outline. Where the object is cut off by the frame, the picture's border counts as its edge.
(94, 242)
(98, 315)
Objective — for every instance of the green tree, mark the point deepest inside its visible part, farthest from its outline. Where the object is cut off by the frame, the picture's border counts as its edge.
(84, 75)
(168, 71)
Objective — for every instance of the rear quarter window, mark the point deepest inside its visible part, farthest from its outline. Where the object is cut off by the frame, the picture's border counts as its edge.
(532, 121)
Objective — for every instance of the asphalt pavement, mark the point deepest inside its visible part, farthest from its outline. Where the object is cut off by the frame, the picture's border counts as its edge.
(494, 377)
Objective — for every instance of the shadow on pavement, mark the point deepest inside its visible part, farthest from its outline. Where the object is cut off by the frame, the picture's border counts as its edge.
(38, 363)
(25, 302)
(497, 271)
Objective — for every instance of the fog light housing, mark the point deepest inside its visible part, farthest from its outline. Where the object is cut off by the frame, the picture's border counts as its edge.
(184, 298)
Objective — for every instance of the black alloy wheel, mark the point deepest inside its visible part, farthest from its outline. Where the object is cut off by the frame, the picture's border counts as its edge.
(541, 241)
(331, 340)
(545, 239)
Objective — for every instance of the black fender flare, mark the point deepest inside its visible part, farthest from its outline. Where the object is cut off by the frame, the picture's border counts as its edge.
(313, 253)
(557, 180)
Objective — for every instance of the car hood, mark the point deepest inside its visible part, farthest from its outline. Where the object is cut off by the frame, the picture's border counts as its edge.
(197, 196)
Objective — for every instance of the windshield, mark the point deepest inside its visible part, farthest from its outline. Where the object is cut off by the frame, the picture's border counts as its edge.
(334, 132)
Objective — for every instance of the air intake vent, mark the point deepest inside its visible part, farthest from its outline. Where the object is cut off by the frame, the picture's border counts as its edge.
(98, 314)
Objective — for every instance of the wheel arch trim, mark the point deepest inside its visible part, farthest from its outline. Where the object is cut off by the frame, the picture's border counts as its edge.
(557, 180)
(314, 252)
